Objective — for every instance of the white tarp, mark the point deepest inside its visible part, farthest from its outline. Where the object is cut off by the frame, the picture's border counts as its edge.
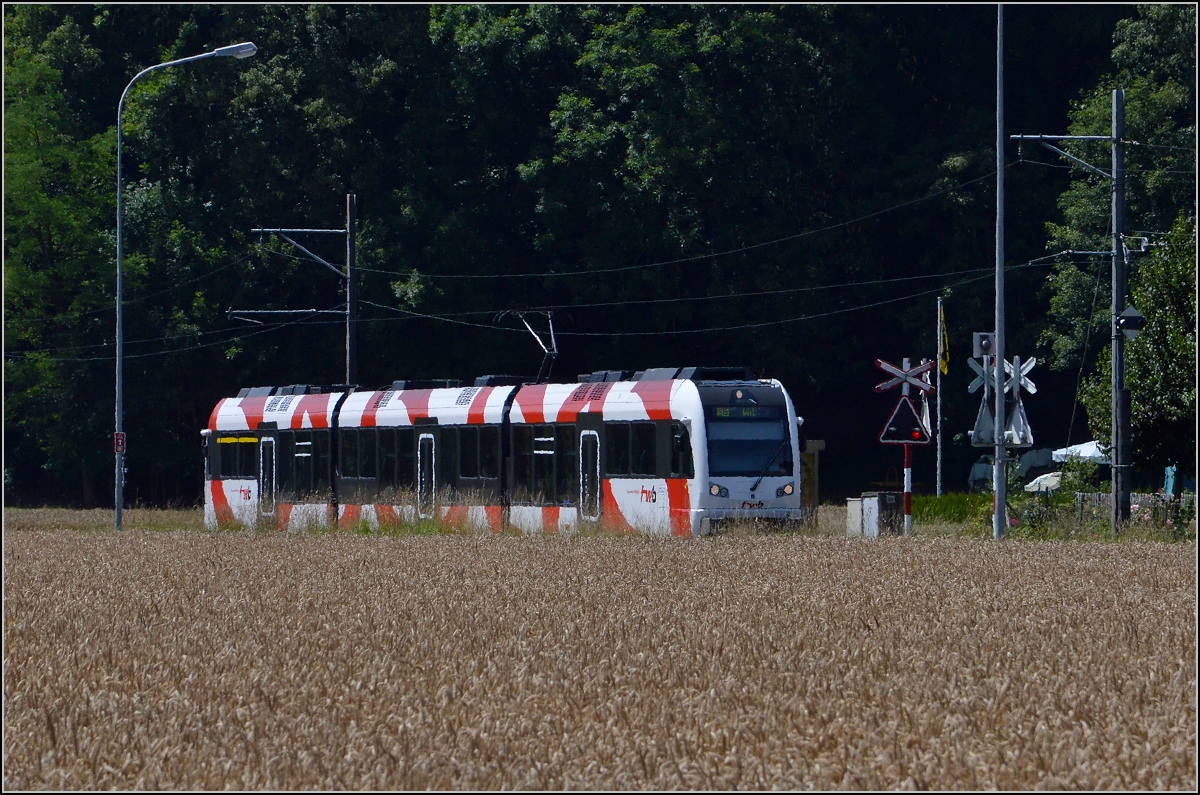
(1048, 482)
(1088, 451)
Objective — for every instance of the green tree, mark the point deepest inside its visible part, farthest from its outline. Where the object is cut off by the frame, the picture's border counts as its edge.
(1160, 363)
(1154, 56)
(58, 300)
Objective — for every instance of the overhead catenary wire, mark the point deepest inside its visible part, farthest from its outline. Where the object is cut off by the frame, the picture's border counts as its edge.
(676, 332)
(134, 300)
(1039, 262)
(693, 258)
(20, 355)
(453, 319)
(1065, 167)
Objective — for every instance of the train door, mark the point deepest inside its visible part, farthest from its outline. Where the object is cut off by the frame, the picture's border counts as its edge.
(591, 483)
(426, 475)
(266, 476)
(589, 475)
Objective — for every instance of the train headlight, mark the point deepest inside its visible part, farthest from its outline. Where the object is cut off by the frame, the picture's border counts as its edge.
(718, 490)
(784, 490)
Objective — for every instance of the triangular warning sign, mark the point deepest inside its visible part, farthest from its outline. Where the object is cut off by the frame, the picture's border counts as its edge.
(1017, 433)
(982, 434)
(904, 426)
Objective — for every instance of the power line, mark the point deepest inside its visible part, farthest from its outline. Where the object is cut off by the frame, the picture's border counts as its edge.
(1127, 171)
(128, 301)
(695, 258)
(1159, 146)
(493, 327)
(725, 296)
(20, 355)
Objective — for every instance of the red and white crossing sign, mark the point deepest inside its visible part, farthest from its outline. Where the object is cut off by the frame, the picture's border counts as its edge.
(909, 377)
(905, 426)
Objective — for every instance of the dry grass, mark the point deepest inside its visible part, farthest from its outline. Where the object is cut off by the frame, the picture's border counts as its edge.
(191, 660)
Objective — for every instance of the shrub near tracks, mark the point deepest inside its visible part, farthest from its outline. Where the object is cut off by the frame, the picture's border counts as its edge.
(193, 660)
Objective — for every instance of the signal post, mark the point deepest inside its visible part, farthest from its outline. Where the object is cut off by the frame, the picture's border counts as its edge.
(905, 426)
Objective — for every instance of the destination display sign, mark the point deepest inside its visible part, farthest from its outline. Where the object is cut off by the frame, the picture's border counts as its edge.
(745, 412)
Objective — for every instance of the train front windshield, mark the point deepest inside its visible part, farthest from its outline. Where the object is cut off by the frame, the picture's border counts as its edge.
(748, 441)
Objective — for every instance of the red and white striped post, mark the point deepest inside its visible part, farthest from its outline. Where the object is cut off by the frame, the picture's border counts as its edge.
(908, 489)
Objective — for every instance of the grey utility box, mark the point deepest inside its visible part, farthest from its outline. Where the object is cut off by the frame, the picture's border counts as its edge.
(882, 514)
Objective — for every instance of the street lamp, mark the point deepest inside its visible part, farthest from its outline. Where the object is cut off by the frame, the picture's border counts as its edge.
(243, 50)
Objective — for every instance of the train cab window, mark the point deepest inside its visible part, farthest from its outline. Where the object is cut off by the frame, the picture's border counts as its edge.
(681, 452)
(238, 455)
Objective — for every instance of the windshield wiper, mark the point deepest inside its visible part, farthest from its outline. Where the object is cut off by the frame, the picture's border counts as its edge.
(770, 461)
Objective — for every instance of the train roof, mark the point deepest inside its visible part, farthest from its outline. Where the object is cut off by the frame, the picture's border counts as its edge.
(619, 395)
(699, 374)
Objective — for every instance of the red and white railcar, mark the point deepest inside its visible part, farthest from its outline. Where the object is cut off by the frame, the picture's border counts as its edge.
(665, 451)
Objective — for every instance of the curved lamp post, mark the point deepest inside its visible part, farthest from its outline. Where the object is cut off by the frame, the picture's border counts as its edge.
(243, 50)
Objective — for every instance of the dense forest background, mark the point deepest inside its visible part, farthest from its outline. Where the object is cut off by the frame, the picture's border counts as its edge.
(789, 188)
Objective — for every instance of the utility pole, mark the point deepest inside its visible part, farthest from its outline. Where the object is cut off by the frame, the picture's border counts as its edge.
(1119, 452)
(941, 337)
(1121, 425)
(351, 293)
(349, 276)
(999, 465)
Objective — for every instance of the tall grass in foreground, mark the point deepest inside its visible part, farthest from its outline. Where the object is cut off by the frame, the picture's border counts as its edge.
(188, 660)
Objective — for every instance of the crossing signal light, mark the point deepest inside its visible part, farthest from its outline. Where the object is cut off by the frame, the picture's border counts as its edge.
(983, 343)
(904, 426)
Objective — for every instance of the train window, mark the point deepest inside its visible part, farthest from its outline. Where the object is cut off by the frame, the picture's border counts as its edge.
(366, 453)
(320, 460)
(447, 457)
(489, 451)
(285, 478)
(522, 439)
(239, 456)
(642, 448)
(681, 452)
(406, 458)
(566, 461)
(468, 452)
(616, 442)
(632, 449)
(302, 456)
(542, 487)
(748, 447)
(349, 452)
(387, 458)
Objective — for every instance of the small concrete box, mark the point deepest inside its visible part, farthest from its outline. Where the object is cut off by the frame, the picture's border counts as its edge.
(882, 513)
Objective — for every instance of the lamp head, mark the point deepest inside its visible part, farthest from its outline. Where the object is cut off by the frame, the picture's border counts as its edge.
(243, 50)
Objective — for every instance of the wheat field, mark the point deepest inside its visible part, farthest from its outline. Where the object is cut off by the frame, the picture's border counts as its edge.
(193, 660)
